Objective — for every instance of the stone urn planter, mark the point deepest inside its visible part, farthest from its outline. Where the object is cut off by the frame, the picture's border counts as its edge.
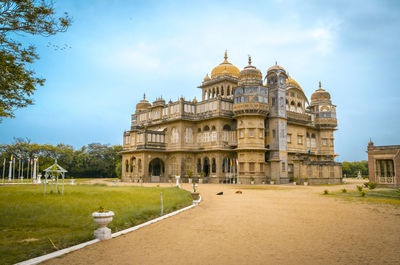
(102, 219)
(189, 180)
(294, 183)
(252, 182)
(305, 183)
(272, 182)
(195, 196)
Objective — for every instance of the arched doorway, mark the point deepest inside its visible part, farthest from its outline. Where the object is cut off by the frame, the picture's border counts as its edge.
(206, 166)
(156, 169)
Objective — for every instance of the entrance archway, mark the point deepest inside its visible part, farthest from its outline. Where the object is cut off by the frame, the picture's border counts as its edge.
(156, 169)
(206, 166)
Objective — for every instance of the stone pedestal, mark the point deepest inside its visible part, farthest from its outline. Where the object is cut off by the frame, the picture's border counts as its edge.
(102, 233)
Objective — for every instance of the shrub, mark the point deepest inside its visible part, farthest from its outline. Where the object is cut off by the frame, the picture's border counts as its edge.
(372, 185)
(326, 192)
(251, 178)
(366, 184)
(344, 190)
(359, 188)
(362, 193)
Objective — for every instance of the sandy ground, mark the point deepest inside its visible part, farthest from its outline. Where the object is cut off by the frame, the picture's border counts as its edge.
(281, 225)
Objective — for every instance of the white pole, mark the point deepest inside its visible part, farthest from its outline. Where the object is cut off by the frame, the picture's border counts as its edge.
(27, 172)
(10, 172)
(4, 168)
(162, 207)
(34, 170)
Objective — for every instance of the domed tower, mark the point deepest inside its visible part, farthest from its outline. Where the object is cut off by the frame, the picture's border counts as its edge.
(324, 115)
(276, 81)
(250, 109)
(223, 80)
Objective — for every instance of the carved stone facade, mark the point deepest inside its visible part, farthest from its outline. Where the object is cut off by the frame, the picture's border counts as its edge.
(242, 130)
(384, 164)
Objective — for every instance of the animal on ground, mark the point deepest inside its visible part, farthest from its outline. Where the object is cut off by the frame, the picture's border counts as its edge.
(238, 192)
(220, 193)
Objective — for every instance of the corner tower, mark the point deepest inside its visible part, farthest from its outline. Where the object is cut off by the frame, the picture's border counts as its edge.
(276, 82)
(324, 115)
(250, 108)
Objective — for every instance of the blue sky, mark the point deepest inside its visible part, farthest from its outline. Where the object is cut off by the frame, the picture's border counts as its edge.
(117, 50)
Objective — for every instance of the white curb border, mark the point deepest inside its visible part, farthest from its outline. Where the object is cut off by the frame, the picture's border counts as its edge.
(82, 245)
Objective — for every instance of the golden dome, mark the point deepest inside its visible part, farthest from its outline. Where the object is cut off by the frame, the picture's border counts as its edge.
(291, 82)
(206, 78)
(225, 68)
(250, 72)
(276, 67)
(143, 104)
(320, 94)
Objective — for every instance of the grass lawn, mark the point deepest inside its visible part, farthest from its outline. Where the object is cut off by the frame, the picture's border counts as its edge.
(31, 221)
(389, 196)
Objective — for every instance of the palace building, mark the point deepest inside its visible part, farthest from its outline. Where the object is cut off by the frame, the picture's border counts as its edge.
(247, 127)
(384, 164)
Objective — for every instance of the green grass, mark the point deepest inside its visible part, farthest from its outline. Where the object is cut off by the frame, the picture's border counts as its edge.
(29, 219)
(388, 196)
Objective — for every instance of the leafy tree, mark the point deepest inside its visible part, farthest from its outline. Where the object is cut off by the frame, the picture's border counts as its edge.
(18, 18)
(351, 168)
(94, 160)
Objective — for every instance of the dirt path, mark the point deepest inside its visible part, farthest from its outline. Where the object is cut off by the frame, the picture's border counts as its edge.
(284, 225)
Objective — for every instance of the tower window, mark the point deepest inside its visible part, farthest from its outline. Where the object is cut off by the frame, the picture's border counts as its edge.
(283, 167)
(251, 132)
(273, 134)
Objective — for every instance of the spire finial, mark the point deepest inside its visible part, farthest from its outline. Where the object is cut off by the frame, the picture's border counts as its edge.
(144, 96)
(276, 63)
(249, 59)
(320, 85)
(226, 55)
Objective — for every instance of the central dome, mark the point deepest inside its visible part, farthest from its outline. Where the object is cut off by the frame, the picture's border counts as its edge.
(225, 68)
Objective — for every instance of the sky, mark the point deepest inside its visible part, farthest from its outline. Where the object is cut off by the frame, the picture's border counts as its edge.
(115, 51)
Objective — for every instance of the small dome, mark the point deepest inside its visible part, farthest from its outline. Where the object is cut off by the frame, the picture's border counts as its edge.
(143, 104)
(250, 72)
(320, 94)
(225, 68)
(276, 67)
(206, 78)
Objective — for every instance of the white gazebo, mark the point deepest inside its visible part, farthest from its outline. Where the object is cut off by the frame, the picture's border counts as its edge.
(54, 172)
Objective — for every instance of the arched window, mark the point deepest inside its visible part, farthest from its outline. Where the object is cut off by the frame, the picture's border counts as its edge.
(299, 108)
(188, 135)
(213, 134)
(198, 165)
(226, 127)
(126, 166)
(134, 164)
(222, 91)
(206, 137)
(174, 135)
(292, 106)
(140, 165)
(214, 166)
(313, 141)
(213, 93)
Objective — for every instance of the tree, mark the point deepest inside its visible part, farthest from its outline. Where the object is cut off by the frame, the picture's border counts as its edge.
(17, 18)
